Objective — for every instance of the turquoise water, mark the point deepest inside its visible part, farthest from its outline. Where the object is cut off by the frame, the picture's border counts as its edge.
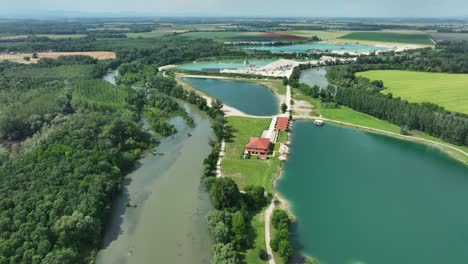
(224, 64)
(248, 97)
(322, 46)
(366, 198)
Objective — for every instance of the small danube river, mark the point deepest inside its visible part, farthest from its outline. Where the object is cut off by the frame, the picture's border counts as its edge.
(248, 97)
(370, 199)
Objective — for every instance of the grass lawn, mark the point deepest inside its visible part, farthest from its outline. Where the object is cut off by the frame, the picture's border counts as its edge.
(345, 114)
(258, 225)
(422, 39)
(444, 89)
(251, 171)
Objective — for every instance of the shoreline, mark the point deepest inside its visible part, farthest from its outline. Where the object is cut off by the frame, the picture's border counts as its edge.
(441, 146)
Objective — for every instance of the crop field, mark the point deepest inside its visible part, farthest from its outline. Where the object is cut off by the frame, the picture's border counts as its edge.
(391, 37)
(447, 90)
(63, 72)
(224, 36)
(322, 34)
(19, 57)
(156, 33)
(51, 36)
(438, 36)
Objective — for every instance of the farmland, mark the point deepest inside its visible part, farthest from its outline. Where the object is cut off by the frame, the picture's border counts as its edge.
(224, 36)
(447, 90)
(19, 57)
(390, 37)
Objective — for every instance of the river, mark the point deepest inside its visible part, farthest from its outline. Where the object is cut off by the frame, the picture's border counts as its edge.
(160, 214)
(365, 198)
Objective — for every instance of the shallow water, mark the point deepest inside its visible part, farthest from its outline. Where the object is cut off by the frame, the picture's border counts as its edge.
(168, 223)
(366, 198)
(248, 97)
(314, 76)
(321, 46)
(110, 77)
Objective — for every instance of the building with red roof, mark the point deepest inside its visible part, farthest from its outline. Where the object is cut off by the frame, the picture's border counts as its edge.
(258, 145)
(282, 123)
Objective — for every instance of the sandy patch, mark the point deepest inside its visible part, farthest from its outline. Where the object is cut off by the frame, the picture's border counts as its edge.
(302, 108)
(100, 55)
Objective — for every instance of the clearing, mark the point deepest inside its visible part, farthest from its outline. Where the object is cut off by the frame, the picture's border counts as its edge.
(19, 57)
(251, 171)
(444, 89)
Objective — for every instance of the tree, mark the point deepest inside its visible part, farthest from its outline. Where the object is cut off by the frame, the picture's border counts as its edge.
(284, 107)
(285, 249)
(27, 58)
(280, 219)
(285, 80)
(221, 233)
(225, 193)
(255, 197)
(225, 254)
(35, 55)
(239, 230)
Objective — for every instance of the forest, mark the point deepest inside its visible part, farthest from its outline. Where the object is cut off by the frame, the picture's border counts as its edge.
(76, 136)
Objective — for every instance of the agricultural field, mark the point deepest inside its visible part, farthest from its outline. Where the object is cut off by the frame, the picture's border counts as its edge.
(99, 95)
(447, 90)
(322, 34)
(438, 36)
(19, 57)
(389, 37)
(156, 33)
(224, 36)
(51, 36)
(64, 72)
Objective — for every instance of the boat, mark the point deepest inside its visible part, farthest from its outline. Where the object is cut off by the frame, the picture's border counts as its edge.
(318, 122)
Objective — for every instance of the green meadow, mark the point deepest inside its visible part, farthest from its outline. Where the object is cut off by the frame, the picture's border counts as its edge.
(444, 89)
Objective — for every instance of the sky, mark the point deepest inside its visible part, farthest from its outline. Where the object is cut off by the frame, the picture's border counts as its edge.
(261, 8)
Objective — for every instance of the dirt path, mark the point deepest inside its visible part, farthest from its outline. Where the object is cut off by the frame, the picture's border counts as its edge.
(268, 212)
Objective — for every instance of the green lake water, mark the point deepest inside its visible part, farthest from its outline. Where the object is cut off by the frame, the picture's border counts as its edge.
(224, 64)
(371, 199)
(314, 76)
(319, 46)
(165, 222)
(248, 97)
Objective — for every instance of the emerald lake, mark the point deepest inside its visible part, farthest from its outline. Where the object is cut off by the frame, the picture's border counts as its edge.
(319, 46)
(370, 199)
(248, 97)
(224, 64)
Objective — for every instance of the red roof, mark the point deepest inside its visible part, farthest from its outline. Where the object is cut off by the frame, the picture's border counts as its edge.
(258, 143)
(282, 123)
